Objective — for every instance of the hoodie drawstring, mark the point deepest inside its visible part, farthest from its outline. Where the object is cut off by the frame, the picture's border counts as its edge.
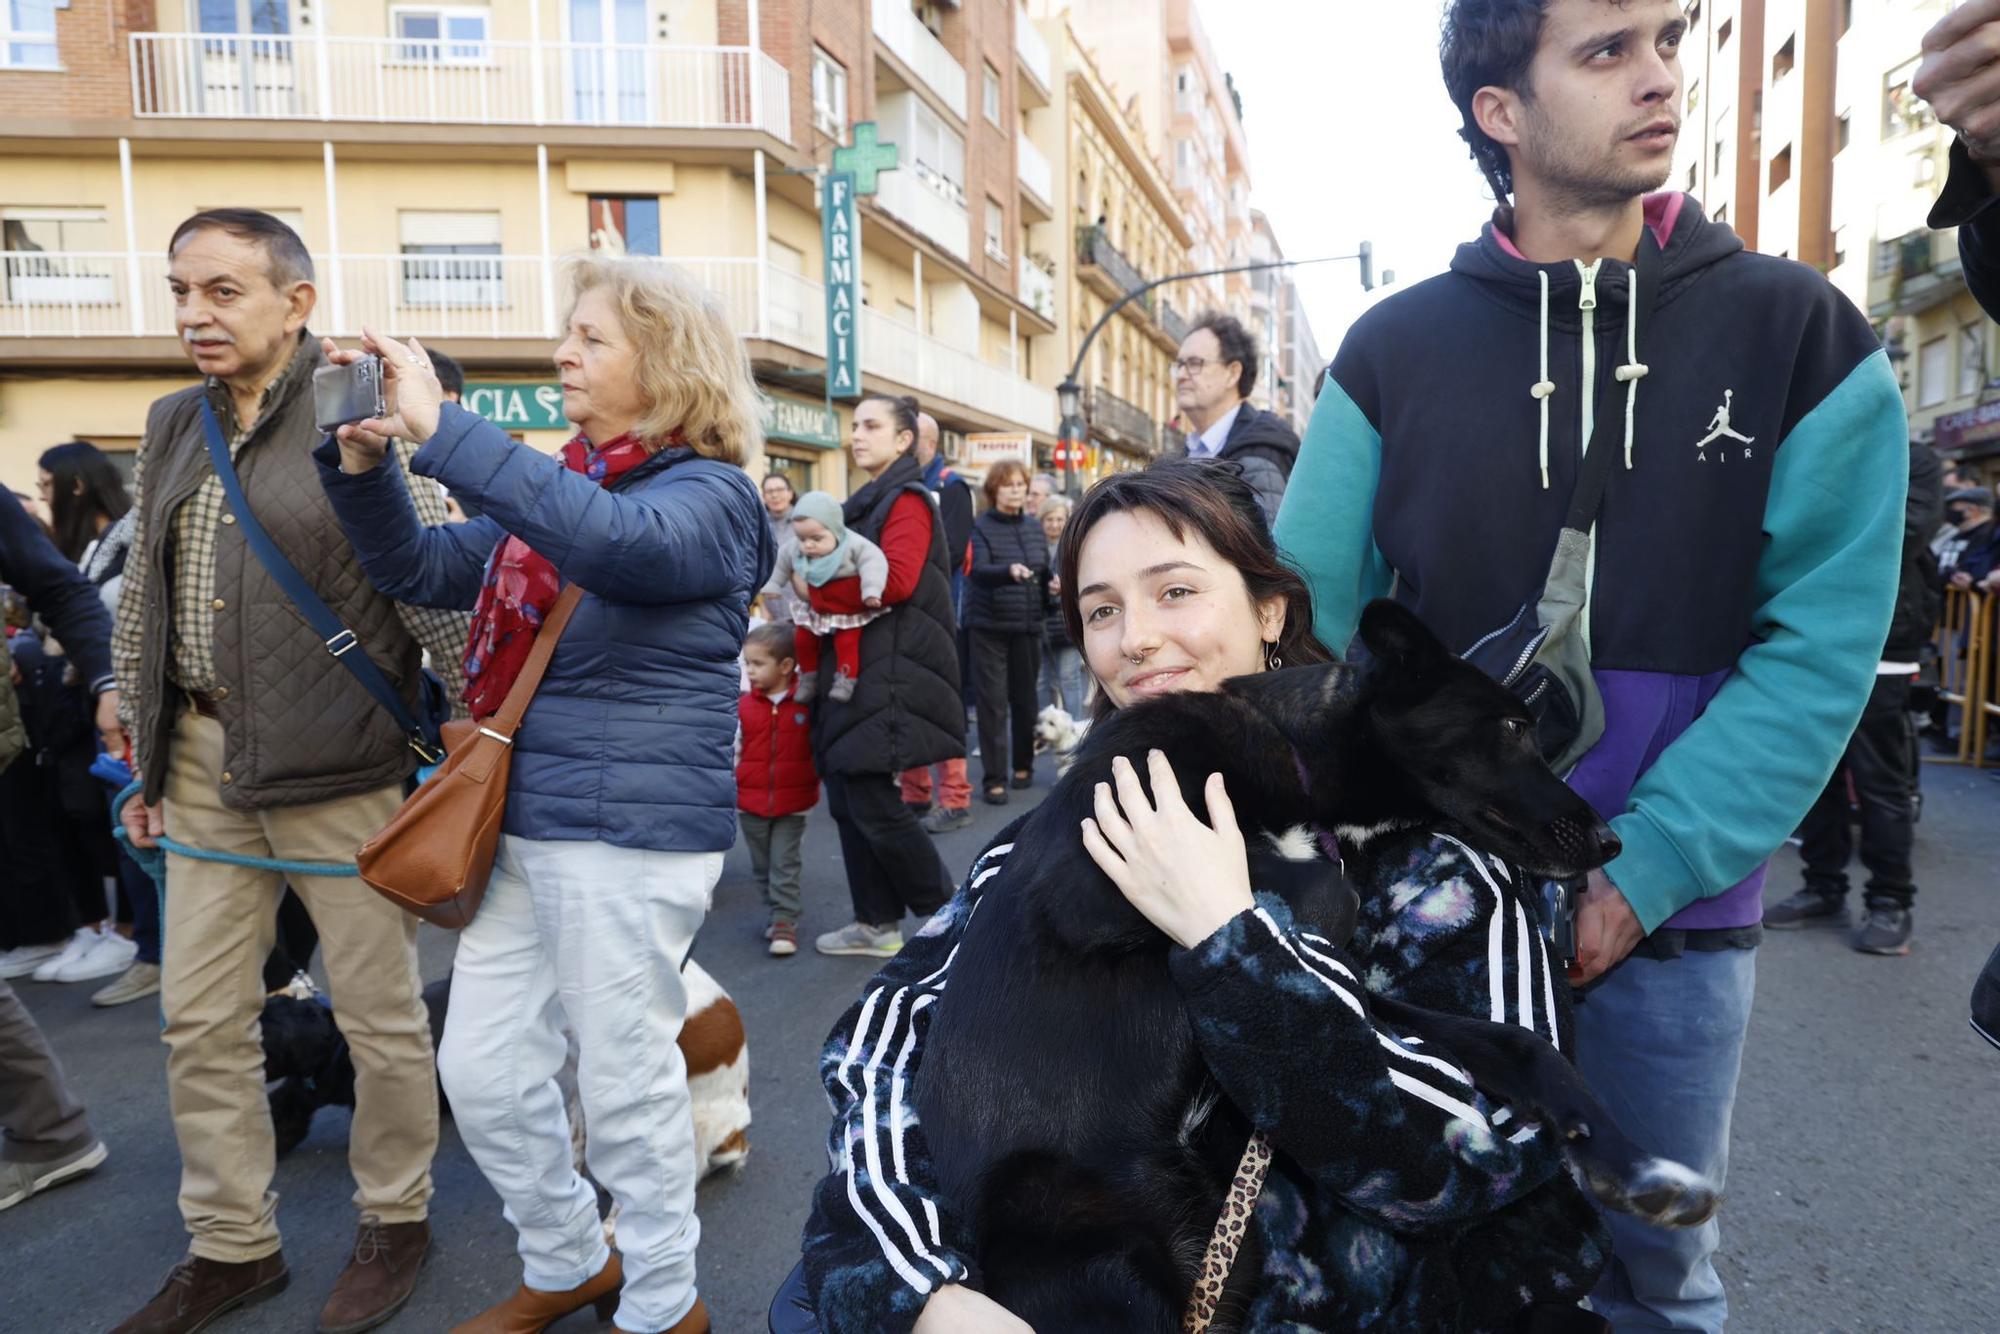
(1628, 375)
(1544, 387)
(1633, 370)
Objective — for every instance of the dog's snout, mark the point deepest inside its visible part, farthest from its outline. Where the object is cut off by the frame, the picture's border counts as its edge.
(1609, 845)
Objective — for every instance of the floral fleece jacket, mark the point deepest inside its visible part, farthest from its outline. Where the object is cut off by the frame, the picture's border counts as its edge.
(1400, 1199)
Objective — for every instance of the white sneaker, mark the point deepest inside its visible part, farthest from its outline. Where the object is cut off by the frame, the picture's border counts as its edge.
(110, 956)
(25, 959)
(79, 945)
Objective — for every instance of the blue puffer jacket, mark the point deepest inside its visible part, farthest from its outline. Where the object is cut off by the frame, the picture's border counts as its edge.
(629, 739)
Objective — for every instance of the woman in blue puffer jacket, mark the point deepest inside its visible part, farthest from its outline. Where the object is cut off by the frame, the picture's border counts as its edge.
(622, 799)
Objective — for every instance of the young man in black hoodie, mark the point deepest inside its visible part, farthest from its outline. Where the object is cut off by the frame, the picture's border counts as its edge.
(1213, 378)
(1738, 589)
(1957, 79)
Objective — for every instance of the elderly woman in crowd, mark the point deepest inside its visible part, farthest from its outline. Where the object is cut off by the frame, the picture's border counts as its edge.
(1062, 663)
(621, 802)
(1005, 604)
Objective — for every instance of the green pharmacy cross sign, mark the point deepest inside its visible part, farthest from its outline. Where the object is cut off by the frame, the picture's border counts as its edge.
(855, 169)
(865, 158)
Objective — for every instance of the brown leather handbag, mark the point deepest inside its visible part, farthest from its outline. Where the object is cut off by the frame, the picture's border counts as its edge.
(434, 858)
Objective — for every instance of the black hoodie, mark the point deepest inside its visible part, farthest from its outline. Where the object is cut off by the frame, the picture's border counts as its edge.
(1744, 570)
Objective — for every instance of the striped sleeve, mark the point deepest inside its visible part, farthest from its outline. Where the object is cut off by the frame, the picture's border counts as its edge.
(1453, 929)
(1398, 1133)
(880, 1240)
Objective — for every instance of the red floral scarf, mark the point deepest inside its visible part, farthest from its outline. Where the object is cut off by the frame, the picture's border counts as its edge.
(521, 585)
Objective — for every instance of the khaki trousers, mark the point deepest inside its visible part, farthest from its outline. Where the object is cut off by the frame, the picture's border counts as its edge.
(220, 923)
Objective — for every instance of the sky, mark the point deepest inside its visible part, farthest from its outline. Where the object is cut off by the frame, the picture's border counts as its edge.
(1351, 138)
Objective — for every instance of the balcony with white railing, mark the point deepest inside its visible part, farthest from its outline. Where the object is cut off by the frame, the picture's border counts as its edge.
(51, 295)
(80, 295)
(930, 202)
(196, 76)
(1034, 169)
(913, 44)
(1033, 52)
(1038, 288)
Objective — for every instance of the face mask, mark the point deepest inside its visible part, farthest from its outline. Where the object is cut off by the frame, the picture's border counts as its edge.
(1954, 514)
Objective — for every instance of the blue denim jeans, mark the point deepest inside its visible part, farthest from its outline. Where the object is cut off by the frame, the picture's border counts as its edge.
(1662, 1042)
(1062, 675)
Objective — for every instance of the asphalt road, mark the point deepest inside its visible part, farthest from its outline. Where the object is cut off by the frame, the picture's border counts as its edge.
(1864, 1193)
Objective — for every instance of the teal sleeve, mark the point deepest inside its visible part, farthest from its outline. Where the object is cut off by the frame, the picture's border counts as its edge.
(1326, 525)
(1728, 791)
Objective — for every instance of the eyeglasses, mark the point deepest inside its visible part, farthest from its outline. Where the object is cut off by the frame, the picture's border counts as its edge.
(1188, 365)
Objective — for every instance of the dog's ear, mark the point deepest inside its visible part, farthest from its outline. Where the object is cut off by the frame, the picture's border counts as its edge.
(1293, 697)
(1397, 639)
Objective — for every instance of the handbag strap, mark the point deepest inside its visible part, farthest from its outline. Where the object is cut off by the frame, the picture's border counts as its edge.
(515, 706)
(1227, 1239)
(1595, 475)
(340, 641)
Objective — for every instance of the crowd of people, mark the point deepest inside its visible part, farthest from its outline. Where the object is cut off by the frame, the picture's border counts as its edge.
(716, 656)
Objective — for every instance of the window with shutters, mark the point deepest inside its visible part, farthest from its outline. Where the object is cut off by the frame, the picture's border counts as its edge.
(451, 259)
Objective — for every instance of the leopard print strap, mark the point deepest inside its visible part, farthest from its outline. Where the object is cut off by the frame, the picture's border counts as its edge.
(1227, 1239)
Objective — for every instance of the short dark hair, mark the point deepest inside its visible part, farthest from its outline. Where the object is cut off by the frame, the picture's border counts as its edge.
(1238, 345)
(451, 375)
(1215, 504)
(1489, 44)
(286, 259)
(775, 638)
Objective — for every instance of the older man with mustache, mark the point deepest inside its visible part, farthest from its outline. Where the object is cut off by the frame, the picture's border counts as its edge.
(251, 737)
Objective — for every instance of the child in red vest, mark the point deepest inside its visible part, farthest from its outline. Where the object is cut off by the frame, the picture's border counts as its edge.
(776, 783)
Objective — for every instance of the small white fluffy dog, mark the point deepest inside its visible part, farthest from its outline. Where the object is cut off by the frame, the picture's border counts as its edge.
(1061, 734)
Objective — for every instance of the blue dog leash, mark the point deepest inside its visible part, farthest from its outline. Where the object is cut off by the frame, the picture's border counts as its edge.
(153, 861)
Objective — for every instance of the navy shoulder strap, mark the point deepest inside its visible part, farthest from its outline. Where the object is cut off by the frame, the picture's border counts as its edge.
(340, 641)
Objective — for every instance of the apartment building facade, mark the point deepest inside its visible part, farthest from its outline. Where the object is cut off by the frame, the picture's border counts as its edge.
(1803, 133)
(440, 160)
(1158, 55)
(1117, 225)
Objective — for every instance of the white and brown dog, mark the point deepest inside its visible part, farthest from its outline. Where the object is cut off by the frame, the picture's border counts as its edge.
(307, 1066)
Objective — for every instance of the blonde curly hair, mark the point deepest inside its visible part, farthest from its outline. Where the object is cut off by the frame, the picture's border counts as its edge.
(693, 371)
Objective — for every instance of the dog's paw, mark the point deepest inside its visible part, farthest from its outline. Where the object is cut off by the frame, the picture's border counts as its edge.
(1659, 1190)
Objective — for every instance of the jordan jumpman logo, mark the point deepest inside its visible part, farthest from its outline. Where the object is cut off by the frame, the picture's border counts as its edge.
(1719, 425)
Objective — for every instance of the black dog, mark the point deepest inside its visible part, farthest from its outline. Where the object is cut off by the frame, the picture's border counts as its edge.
(1093, 1182)
(307, 1065)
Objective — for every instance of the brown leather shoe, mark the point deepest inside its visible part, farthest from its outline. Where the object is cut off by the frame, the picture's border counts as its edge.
(199, 1290)
(694, 1322)
(380, 1276)
(530, 1310)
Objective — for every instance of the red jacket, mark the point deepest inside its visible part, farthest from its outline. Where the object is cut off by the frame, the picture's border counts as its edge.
(775, 774)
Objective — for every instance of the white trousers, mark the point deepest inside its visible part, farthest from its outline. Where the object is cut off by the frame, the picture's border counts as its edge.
(592, 934)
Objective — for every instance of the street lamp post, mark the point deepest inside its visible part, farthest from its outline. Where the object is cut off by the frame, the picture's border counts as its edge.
(1069, 394)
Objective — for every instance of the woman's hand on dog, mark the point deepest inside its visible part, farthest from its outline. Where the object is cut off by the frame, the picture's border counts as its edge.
(956, 1309)
(1184, 876)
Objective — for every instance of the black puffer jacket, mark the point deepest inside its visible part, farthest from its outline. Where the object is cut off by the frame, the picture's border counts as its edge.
(1920, 593)
(906, 709)
(995, 601)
